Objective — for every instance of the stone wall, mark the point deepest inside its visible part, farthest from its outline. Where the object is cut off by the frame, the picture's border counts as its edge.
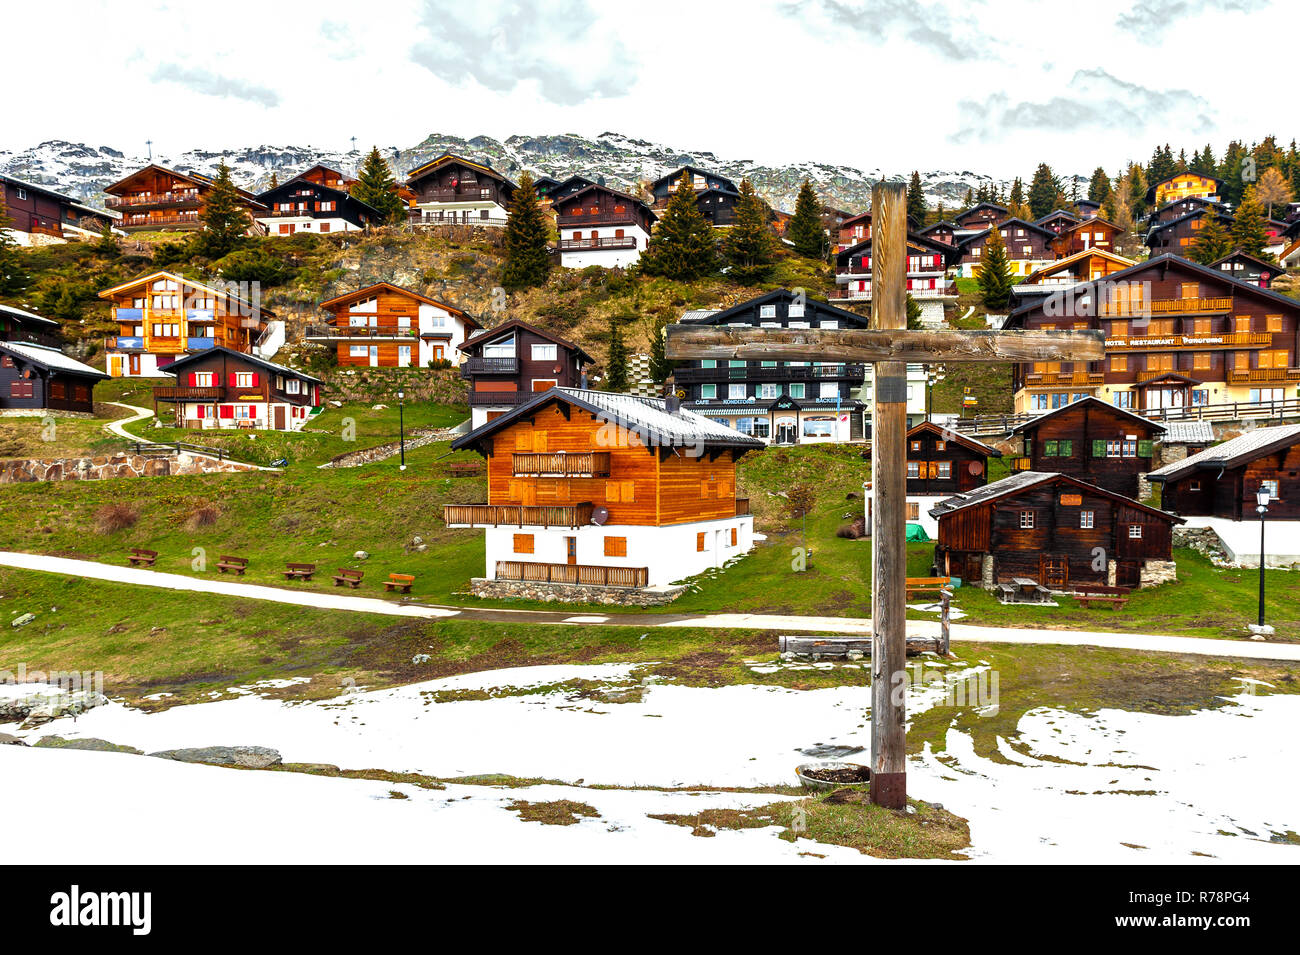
(1157, 572)
(108, 466)
(416, 439)
(544, 592)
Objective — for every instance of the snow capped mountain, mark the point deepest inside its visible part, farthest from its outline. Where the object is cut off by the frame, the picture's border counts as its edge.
(623, 161)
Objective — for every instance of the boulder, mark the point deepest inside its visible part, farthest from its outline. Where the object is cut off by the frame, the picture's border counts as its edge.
(245, 757)
(88, 743)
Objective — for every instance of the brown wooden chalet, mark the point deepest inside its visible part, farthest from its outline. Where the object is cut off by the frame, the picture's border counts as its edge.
(220, 388)
(387, 326)
(36, 210)
(853, 230)
(1087, 208)
(455, 190)
(1092, 441)
(943, 231)
(600, 219)
(1058, 221)
(927, 263)
(1248, 269)
(20, 325)
(980, 217)
(514, 362)
(40, 377)
(1053, 529)
(1087, 266)
(940, 461)
(1094, 233)
(1223, 480)
(1028, 245)
(316, 200)
(1178, 208)
(157, 198)
(715, 195)
(1178, 334)
(1179, 235)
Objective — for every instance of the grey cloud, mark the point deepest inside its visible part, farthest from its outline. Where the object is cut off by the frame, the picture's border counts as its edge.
(1149, 17)
(554, 44)
(1096, 100)
(957, 39)
(214, 84)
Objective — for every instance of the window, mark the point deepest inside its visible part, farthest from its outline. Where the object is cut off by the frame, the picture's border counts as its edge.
(523, 543)
(1271, 487)
(358, 351)
(795, 311)
(1026, 520)
(545, 352)
(940, 445)
(1122, 399)
(828, 389)
(615, 546)
(21, 193)
(205, 379)
(913, 511)
(1135, 532)
(769, 391)
(293, 386)
(708, 391)
(22, 389)
(830, 323)
(1119, 363)
(767, 311)
(916, 445)
(736, 392)
(944, 470)
(1085, 520)
(699, 542)
(1129, 448)
(1201, 361)
(797, 389)
(244, 379)
(913, 469)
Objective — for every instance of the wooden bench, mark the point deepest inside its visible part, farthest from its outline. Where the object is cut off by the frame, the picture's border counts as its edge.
(351, 578)
(1089, 594)
(139, 556)
(1087, 600)
(236, 565)
(399, 582)
(464, 468)
(298, 571)
(916, 585)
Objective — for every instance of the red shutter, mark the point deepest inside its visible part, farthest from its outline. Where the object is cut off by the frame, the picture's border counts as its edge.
(227, 411)
(201, 409)
(193, 379)
(232, 382)
(256, 379)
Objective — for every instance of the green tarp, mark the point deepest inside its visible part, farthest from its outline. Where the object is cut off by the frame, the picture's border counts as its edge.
(915, 532)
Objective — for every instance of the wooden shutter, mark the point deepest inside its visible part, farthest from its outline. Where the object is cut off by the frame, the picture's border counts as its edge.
(615, 546)
(194, 379)
(1144, 449)
(733, 537)
(1098, 447)
(699, 541)
(523, 543)
(523, 441)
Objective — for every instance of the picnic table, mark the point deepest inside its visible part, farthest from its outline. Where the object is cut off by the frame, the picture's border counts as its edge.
(1023, 590)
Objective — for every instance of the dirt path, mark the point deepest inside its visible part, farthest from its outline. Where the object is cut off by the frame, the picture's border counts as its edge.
(964, 633)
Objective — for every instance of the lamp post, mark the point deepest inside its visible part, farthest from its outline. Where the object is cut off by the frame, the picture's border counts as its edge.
(933, 375)
(1262, 497)
(401, 429)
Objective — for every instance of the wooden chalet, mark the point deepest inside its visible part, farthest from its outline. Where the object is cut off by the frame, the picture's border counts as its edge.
(1222, 481)
(1050, 528)
(940, 461)
(315, 201)
(928, 261)
(780, 402)
(1248, 269)
(514, 362)
(1178, 208)
(1178, 335)
(1183, 185)
(1029, 247)
(1094, 233)
(715, 195)
(40, 378)
(544, 188)
(39, 214)
(978, 218)
(451, 190)
(1058, 221)
(601, 489)
(220, 388)
(156, 198)
(602, 226)
(1086, 266)
(943, 231)
(163, 315)
(1179, 235)
(387, 326)
(1087, 208)
(19, 325)
(853, 231)
(569, 187)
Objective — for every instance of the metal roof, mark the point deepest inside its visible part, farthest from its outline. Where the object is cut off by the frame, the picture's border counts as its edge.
(1008, 485)
(1246, 447)
(1188, 432)
(26, 316)
(50, 358)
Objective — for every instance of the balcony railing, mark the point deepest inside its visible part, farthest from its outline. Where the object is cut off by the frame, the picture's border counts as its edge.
(942, 291)
(518, 515)
(1051, 378)
(1167, 305)
(1163, 342)
(418, 217)
(577, 245)
(148, 222)
(153, 199)
(1251, 375)
(598, 218)
(488, 398)
(586, 574)
(561, 464)
(187, 393)
(464, 193)
(199, 343)
(329, 332)
(489, 366)
(772, 374)
(123, 342)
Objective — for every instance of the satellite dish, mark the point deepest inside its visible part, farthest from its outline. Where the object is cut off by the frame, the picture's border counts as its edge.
(599, 515)
(976, 468)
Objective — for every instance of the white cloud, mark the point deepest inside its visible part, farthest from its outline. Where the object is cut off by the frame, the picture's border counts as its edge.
(207, 83)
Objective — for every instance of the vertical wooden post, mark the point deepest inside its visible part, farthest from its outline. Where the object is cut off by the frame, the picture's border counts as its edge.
(889, 513)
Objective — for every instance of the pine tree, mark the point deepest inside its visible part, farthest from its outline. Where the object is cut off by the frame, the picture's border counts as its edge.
(682, 246)
(106, 244)
(13, 276)
(275, 181)
(1248, 230)
(528, 261)
(748, 246)
(805, 230)
(995, 278)
(1212, 241)
(616, 365)
(916, 206)
(1099, 186)
(224, 216)
(376, 187)
(1043, 191)
(913, 313)
(660, 367)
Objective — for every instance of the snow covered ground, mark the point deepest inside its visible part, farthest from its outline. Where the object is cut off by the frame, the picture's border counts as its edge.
(1111, 787)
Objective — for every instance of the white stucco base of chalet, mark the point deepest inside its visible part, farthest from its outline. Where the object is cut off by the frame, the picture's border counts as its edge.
(669, 553)
(251, 415)
(289, 225)
(119, 365)
(1240, 540)
(606, 258)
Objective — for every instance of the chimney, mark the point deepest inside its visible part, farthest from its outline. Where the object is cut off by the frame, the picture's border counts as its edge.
(672, 404)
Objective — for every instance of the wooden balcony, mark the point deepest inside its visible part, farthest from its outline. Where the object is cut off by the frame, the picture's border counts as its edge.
(159, 222)
(1165, 342)
(489, 399)
(489, 366)
(177, 200)
(331, 332)
(587, 574)
(1250, 376)
(599, 218)
(768, 373)
(1165, 306)
(578, 245)
(517, 515)
(188, 393)
(561, 464)
(1048, 379)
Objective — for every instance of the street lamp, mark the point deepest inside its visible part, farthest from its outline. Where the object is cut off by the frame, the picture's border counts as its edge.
(1262, 497)
(933, 375)
(402, 430)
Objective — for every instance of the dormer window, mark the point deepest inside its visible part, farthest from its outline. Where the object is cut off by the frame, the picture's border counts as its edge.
(767, 311)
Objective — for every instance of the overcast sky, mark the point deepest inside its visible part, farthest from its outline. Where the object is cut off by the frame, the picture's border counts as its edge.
(991, 86)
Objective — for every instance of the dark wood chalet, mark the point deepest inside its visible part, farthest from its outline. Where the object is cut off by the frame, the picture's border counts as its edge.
(1092, 441)
(1029, 246)
(940, 461)
(570, 186)
(927, 263)
(853, 230)
(220, 388)
(1178, 334)
(1087, 208)
(454, 190)
(715, 195)
(19, 325)
(1222, 480)
(513, 363)
(1094, 233)
(1053, 529)
(40, 377)
(1058, 221)
(781, 402)
(314, 201)
(980, 217)
(158, 198)
(600, 225)
(1248, 269)
(36, 210)
(1180, 207)
(1179, 235)
(945, 232)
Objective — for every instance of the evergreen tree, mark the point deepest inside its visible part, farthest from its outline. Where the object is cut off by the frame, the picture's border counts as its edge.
(376, 187)
(1212, 242)
(660, 367)
(1203, 161)
(13, 276)
(995, 278)
(1043, 191)
(682, 246)
(106, 244)
(916, 207)
(1137, 191)
(748, 246)
(1017, 197)
(275, 181)
(225, 218)
(616, 365)
(528, 261)
(1230, 172)
(913, 313)
(1248, 230)
(1099, 186)
(805, 230)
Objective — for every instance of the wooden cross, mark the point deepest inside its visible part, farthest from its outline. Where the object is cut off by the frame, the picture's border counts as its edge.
(890, 346)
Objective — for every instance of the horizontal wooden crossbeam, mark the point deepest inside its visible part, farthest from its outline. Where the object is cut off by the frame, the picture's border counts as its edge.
(872, 345)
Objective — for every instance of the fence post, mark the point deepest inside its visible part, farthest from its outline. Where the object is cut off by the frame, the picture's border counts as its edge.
(945, 619)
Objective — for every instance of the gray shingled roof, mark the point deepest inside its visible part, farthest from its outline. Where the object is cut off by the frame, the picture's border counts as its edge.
(1188, 432)
(699, 314)
(50, 358)
(1247, 447)
(1016, 482)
